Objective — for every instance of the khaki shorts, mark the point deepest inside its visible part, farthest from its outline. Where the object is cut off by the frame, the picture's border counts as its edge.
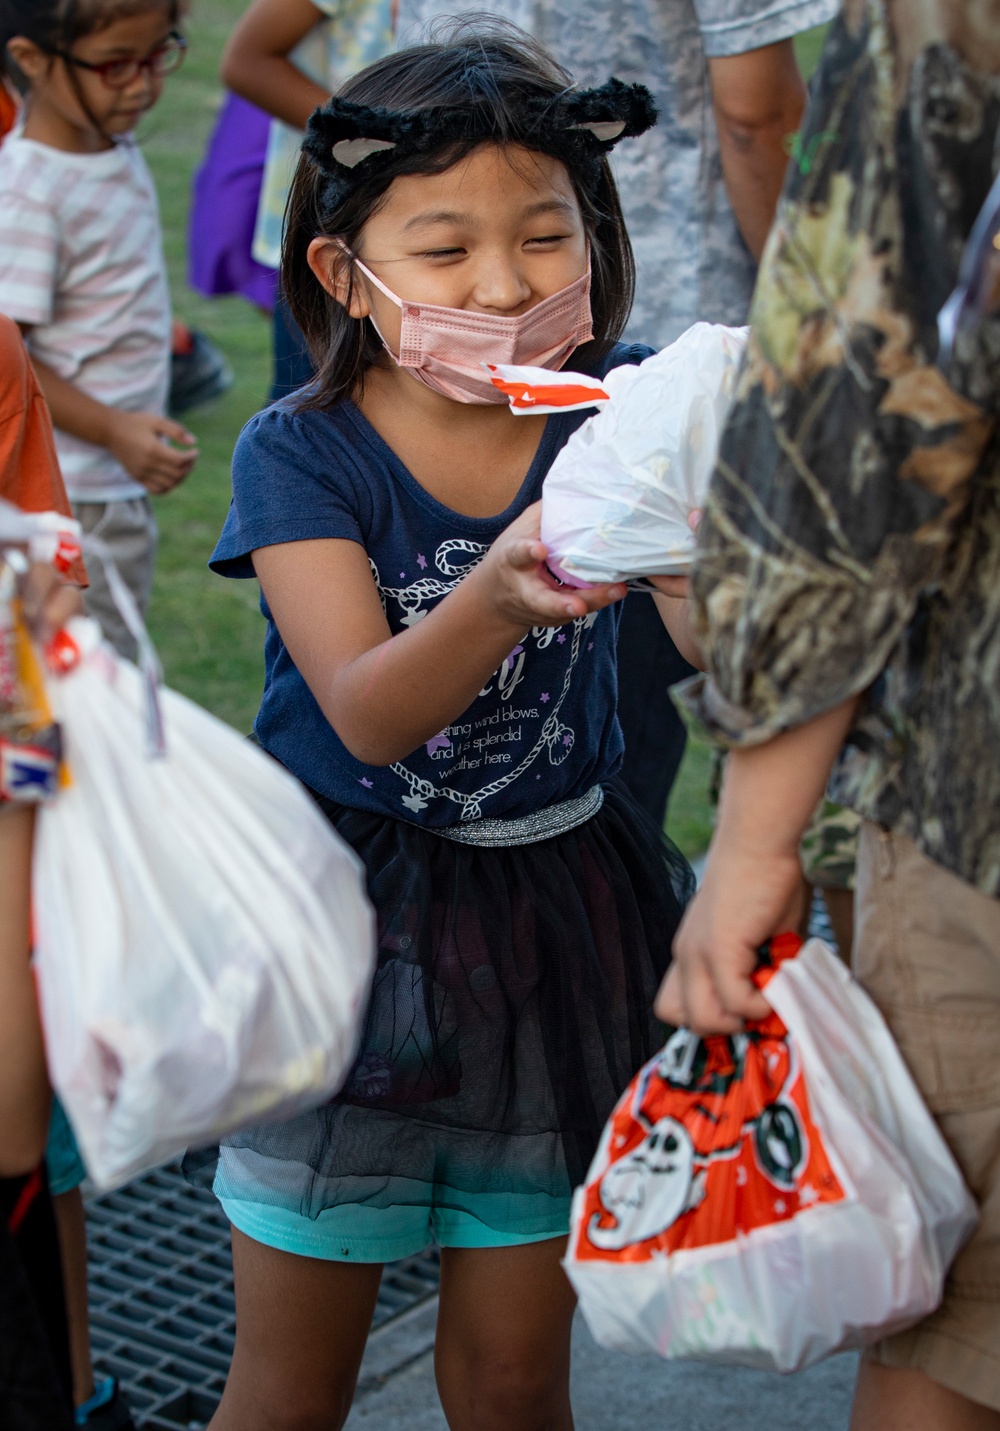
(927, 949)
(129, 529)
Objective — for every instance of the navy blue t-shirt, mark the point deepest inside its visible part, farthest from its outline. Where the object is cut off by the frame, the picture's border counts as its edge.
(544, 727)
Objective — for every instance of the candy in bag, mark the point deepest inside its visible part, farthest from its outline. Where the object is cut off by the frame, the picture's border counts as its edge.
(771, 1198)
(617, 501)
(204, 941)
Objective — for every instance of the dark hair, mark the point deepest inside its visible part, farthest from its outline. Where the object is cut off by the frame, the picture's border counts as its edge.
(58, 24)
(487, 65)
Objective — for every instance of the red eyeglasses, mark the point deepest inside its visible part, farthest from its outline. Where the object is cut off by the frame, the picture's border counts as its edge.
(119, 74)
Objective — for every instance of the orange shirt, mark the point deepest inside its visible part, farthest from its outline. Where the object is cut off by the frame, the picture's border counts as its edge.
(29, 468)
(8, 109)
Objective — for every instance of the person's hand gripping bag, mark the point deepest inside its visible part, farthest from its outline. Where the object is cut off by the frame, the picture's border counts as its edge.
(618, 499)
(204, 942)
(771, 1198)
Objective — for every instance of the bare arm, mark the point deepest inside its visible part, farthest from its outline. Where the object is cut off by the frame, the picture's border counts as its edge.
(753, 875)
(255, 61)
(674, 605)
(385, 695)
(758, 99)
(139, 440)
(24, 1086)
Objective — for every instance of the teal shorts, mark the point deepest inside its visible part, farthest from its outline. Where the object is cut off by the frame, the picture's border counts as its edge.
(355, 1232)
(63, 1164)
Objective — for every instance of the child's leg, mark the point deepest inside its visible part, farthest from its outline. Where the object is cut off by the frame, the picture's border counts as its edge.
(301, 1328)
(503, 1338)
(72, 1229)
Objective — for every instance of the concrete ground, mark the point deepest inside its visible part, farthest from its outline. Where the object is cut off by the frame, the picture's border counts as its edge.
(610, 1392)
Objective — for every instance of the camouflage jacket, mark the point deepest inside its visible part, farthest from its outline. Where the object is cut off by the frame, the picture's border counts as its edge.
(851, 542)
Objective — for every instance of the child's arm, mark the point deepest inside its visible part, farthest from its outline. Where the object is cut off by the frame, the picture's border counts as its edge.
(673, 604)
(255, 62)
(137, 439)
(753, 876)
(386, 695)
(24, 1086)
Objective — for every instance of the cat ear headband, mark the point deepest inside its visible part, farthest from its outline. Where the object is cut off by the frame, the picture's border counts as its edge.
(351, 142)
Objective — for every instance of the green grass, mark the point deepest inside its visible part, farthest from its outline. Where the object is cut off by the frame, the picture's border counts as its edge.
(209, 631)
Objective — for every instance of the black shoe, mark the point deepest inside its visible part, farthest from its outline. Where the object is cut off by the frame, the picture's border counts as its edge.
(107, 1409)
(199, 375)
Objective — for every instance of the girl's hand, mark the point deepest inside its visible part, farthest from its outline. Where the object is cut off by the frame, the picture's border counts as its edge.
(524, 591)
(141, 443)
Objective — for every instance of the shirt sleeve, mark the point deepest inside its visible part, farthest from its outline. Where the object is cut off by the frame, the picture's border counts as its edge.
(849, 458)
(29, 468)
(731, 27)
(29, 258)
(295, 479)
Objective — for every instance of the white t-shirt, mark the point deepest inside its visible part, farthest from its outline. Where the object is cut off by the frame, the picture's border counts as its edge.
(81, 262)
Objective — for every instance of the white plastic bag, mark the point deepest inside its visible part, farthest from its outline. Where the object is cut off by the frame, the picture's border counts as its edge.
(770, 1199)
(617, 500)
(204, 941)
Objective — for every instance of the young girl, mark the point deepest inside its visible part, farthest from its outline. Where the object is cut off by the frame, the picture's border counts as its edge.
(81, 263)
(453, 709)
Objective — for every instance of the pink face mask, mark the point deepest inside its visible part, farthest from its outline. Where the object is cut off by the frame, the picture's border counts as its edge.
(447, 347)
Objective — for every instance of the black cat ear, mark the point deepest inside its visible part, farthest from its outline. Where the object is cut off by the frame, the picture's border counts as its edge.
(613, 111)
(342, 135)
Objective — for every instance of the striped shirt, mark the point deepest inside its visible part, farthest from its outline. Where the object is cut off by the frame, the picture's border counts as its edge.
(81, 265)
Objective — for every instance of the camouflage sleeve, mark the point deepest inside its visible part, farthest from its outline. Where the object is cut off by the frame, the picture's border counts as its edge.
(849, 456)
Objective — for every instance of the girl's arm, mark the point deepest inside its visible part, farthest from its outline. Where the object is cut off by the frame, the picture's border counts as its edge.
(386, 695)
(675, 612)
(24, 1088)
(139, 440)
(255, 61)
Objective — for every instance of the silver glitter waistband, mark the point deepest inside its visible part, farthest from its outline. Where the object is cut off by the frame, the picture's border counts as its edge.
(528, 829)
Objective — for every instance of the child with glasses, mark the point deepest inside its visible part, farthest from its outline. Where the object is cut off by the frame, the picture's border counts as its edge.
(81, 263)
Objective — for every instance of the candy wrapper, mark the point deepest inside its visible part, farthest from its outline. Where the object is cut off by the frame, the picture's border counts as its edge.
(774, 1197)
(30, 741)
(618, 499)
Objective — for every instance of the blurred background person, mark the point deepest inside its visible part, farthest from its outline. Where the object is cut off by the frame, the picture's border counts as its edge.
(286, 57)
(82, 270)
(35, 1372)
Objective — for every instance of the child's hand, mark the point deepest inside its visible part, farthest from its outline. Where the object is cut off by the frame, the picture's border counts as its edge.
(679, 587)
(140, 441)
(525, 591)
(48, 602)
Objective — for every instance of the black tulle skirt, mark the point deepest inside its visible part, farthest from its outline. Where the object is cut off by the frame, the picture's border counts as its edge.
(512, 1003)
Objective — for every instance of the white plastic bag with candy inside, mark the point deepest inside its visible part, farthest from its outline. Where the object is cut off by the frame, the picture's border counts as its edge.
(772, 1198)
(204, 942)
(618, 499)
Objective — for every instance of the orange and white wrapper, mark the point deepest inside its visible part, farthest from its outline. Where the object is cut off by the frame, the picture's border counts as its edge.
(542, 390)
(771, 1198)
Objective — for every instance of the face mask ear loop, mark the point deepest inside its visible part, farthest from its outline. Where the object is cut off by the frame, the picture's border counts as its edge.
(382, 289)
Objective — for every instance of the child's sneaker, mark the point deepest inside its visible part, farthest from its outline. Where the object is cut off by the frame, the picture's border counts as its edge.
(199, 371)
(107, 1409)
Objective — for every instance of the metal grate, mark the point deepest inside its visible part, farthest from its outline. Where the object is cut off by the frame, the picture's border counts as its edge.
(162, 1312)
